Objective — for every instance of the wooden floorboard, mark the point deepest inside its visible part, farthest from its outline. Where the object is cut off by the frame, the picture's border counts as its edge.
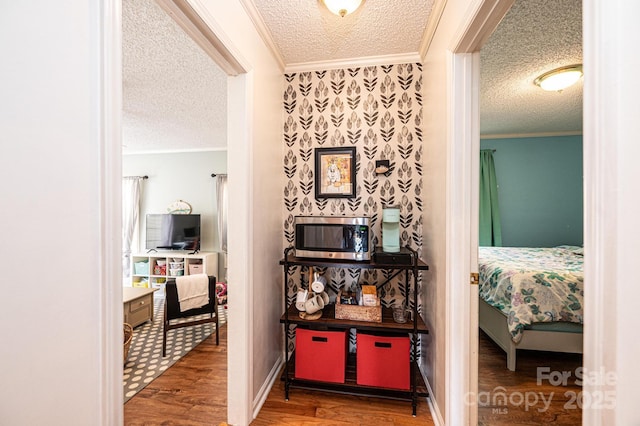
(194, 392)
(325, 408)
(525, 397)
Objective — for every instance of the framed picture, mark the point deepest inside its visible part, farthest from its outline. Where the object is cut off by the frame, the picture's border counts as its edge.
(335, 174)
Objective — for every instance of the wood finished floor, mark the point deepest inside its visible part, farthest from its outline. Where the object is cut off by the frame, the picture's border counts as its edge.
(522, 386)
(193, 392)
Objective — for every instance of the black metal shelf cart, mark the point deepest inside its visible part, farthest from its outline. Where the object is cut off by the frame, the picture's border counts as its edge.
(415, 326)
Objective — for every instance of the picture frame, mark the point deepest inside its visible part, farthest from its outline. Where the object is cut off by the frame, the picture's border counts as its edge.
(335, 172)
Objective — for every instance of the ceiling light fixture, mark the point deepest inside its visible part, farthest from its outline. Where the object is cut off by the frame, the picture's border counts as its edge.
(342, 7)
(559, 78)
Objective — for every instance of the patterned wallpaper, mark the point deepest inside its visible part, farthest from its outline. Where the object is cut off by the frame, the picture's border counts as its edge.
(377, 110)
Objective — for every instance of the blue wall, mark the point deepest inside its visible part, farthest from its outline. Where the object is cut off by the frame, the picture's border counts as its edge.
(539, 190)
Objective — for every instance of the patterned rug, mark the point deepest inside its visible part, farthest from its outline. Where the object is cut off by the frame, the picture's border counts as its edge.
(145, 361)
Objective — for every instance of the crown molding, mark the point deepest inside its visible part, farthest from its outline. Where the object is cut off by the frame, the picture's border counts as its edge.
(406, 58)
(432, 25)
(531, 135)
(262, 29)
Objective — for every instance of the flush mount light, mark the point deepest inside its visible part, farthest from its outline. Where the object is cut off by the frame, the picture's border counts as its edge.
(559, 78)
(342, 7)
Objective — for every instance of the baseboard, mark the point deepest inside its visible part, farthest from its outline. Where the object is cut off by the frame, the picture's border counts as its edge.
(274, 375)
(262, 395)
(433, 408)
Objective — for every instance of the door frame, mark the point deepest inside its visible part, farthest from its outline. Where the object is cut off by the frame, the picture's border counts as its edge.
(605, 53)
(193, 17)
(201, 26)
(463, 88)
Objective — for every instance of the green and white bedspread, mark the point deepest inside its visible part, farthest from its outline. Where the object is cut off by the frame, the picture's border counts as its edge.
(533, 284)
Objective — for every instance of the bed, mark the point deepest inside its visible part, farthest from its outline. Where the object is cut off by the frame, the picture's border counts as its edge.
(532, 298)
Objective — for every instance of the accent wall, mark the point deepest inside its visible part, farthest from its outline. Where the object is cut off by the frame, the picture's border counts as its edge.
(377, 110)
(539, 190)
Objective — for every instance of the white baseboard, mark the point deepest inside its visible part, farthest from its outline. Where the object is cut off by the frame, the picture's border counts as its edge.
(261, 397)
(433, 408)
(273, 376)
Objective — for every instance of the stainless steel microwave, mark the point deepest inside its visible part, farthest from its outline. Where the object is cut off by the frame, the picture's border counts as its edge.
(332, 237)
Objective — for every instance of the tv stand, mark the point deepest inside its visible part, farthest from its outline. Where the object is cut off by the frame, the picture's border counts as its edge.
(144, 273)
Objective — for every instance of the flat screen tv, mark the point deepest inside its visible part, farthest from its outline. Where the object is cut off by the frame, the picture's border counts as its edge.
(173, 232)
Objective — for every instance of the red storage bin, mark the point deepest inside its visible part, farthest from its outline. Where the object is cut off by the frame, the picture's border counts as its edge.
(383, 361)
(321, 355)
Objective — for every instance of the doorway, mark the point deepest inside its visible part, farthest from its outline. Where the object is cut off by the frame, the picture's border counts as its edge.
(534, 139)
(196, 24)
(464, 71)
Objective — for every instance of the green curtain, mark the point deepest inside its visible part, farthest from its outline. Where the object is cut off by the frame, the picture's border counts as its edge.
(489, 224)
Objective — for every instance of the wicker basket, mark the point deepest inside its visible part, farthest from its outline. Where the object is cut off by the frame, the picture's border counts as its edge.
(358, 313)
(128, 335)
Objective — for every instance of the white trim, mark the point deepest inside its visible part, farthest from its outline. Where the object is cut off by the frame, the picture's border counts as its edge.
(432, 26)
(474, 217)
(436, 415)
(194, 19)
(481, 21)
(459, 321)
(175, 151)
(463, 137)
(109, 112)
(596, 186)
(406, 58)
(264, 391)
(263, 30)
(610, 117)
(240, 270)
(531, 135)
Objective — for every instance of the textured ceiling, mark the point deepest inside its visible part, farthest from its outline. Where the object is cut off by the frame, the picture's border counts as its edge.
(175, 96)
(534, 37)
(309, 33)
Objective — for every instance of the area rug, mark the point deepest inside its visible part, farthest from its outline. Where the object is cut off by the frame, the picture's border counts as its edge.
(145, 362)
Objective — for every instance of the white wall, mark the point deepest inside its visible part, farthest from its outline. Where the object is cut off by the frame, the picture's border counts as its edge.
(54, 327)
(179, 176)
(53, 366)
(255, 206)
(57, 335)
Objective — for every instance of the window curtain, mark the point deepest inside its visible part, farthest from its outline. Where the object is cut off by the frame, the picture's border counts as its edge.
(131, 188)
(489, 222)
(223, 210)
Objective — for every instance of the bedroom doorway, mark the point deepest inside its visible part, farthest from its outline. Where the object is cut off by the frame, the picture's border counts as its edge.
(544, 381)
(609, 233)
(463, 202)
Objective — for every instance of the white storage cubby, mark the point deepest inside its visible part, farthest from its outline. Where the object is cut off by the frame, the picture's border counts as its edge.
(153, 269)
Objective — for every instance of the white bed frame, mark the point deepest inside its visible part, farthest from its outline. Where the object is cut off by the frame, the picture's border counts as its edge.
(494, 323)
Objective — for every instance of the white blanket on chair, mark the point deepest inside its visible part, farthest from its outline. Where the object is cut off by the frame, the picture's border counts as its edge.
(193, 291)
